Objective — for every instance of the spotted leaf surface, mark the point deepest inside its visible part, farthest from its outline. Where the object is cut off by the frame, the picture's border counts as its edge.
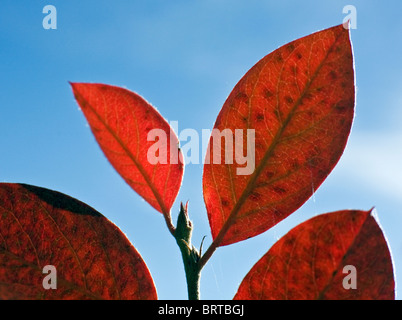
(122, 122)
(337, 256)
(299, 100)
(93, 259)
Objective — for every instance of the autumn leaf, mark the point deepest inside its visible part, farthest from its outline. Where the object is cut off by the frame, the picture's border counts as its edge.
(316, 259)
(92, 257)
(300, 101)
(122, 121)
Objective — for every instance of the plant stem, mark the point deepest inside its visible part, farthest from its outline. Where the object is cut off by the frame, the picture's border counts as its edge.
(208, 254)
(169, 223)
(190, 255)
(193, 273)
(192, 259)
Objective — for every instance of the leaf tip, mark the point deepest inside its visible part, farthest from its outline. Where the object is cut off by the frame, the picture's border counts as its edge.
(373, 213)
(72, 84)
(77, 85)
(74, 87)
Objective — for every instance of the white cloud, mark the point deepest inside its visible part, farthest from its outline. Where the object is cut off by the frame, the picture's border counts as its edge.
(376, 160)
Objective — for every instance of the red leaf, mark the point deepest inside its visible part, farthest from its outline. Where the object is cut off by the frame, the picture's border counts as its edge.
(300, 101)
(121, 121)
(308, 263)
(93, 258)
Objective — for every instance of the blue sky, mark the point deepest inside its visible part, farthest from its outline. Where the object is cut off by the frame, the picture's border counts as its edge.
(185, 57)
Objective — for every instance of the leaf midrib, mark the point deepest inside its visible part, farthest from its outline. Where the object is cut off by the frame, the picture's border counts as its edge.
(250, 185)
(321, 294)
(130, 155)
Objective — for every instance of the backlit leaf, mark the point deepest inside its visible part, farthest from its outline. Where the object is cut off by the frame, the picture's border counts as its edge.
(300, 101)
(92, 257)
(121, 121)
(318, 258)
